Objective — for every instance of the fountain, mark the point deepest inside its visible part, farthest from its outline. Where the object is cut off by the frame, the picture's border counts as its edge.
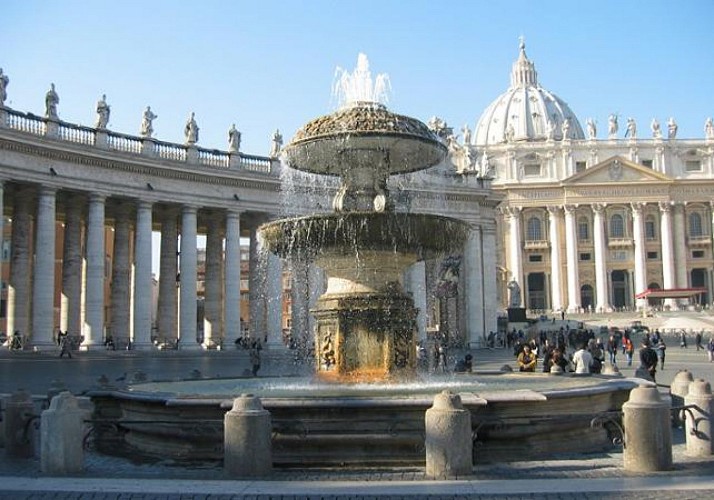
(367, 403)
(365, 321)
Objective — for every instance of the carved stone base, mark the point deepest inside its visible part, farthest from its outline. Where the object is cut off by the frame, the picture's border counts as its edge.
(365, 337)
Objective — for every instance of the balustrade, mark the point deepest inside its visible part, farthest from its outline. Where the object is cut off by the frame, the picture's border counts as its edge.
(170, 151)
(213, 158)
(28, 123)
(76, 133)
(255, 163)
(124, 143)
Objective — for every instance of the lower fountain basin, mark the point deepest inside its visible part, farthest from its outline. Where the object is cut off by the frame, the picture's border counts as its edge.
(514, 417)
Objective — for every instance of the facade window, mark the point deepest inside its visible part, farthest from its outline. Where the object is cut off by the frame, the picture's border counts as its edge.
(650, 228)
(585, 256)
(583, 229)
(617, 226)
(698, 254)
(618, 255)
(580, 166)
(531, 170)
(693, 166)
(647, 163)
(695, 225)
(652, 255)
(534, 230)
(535, 258)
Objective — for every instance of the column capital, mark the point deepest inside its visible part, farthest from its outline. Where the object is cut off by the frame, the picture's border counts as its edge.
(665, 206)
(188, 209)
(48, 190)
(144, 204)
(511, 211)
(637, 207)
(570, 209)
(233, 213)
(97, 198)
(554, 210)
(599, 208)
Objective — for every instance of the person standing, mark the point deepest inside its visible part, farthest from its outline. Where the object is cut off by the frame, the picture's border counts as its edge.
(583, 359)
(65, 345)
(710, 349)
(698, 341)
(683, 339)
(661, 347)
(255, 360)
(629, 350)
(612, 349)
(648, 359)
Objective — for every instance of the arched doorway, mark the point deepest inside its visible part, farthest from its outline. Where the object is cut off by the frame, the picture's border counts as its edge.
(587, 297)
(620, 289)
(655, 302)
(699, 279)
(536, 291)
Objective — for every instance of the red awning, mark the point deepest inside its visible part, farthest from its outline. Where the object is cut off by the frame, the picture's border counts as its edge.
(670, 293)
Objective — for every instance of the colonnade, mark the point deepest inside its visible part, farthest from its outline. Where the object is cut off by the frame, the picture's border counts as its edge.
(85, 272)
(672, 248)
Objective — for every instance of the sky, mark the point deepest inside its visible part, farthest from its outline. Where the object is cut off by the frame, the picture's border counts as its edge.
(271, 65)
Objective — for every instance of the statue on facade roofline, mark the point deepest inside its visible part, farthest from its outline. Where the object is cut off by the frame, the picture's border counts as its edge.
(102, 113)
(233, 139)
(709, 129)
(656, 129)
(51, 102)
(592, 128)
(4, 81)
(565, 129)
(147, 126)
(467, 134)
(612, 126)
(671, 128)
(631, 131)
(191, 130)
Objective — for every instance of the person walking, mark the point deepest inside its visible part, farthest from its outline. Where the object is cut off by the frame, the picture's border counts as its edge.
(710, 349)
(661, 347)
(64, 345)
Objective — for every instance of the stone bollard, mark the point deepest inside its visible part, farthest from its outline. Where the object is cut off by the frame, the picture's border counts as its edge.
(61, 436)
(679, 389)
(246, 439)
(449, 447)
(648, 434)
(19, 432)
(698, 424)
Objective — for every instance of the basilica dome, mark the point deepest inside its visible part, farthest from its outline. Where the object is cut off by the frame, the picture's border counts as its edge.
(526, 111)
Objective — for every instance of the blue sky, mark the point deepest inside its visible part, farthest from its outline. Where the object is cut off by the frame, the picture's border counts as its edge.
(268, 65)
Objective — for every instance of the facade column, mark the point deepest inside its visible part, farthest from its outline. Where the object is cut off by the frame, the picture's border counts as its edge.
(189, 275)
(638, 232)
(94, 288)
(680, 246)
(416, 286)
(473, 274)
(231, 300)
(2, 226)
(18, 293)
(490, 278)
(213, 286)
(121, 279)
(256, 280)
(556, 297)
(71, 301)
(143, 282)
(43, 277)
(274, 300)
(571, 258)
(601, 291)
(167, 314)
(668, 271)
(515, 253)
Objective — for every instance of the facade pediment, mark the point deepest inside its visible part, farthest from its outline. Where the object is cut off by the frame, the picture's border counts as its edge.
(616, 170)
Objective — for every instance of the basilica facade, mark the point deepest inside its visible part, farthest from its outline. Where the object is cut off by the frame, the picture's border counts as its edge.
(592, 219)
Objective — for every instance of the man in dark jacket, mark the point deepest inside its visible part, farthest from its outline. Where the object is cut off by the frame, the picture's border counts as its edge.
(648, 359)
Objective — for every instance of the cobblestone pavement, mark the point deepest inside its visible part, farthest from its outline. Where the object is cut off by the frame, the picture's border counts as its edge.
(599, 476)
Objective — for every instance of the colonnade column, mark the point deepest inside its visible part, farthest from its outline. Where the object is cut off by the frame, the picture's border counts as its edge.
(71, 300)
(2, 219)
(43, 277)
(94, 288)
(571, 256)
(213, 286)
(274, 300)
(300, 300)
(490, 279)
(638, 231)
(680, 246)
(189, 275)
(668, 275)
(18, 293)
(232, 280)
(121, 278)
(416, 285)
(474, 287)
(167, 277)
(515, 263)
(143, 300)
(256, 280)
(556, 265)
(602, 302)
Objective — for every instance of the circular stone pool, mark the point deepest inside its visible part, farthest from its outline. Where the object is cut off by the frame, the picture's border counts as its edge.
(514, 416)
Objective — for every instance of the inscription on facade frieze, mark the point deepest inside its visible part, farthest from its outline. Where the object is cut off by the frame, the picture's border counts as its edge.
(536, 194)
(617, 192)
(688, 191)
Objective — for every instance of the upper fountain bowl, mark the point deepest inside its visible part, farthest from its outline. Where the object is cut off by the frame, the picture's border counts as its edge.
(401, 143)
